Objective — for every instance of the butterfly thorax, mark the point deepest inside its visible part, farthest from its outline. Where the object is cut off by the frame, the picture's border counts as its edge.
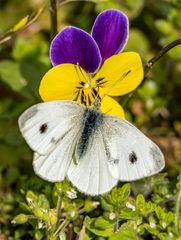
(92, 119)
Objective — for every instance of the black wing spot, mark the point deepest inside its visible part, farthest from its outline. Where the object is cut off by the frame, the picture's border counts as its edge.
(132, 157)
(43, 128)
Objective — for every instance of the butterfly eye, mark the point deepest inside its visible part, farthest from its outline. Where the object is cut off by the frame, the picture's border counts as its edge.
(132, 157)
(43, 128)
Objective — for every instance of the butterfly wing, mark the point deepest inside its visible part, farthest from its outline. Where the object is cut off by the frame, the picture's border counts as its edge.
(55, 145)
(92, 175)
(45, 124)
(131, 154)
(53, 166)
(116, 150)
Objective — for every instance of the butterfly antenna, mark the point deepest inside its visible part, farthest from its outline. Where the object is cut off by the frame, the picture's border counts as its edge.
(119, 80)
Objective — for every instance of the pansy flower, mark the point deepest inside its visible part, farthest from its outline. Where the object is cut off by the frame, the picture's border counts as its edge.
(88, 66)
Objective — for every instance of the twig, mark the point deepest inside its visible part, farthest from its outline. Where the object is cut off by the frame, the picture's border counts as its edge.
(148, 66)
(53, 18)
(8, 35)
(117, 212)
(62, 226)
(69, 1)
(59, 205)
(164, 50)
(177, 208)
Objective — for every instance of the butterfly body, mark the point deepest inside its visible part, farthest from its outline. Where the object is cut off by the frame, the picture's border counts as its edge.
(91, 122)
(94, 150)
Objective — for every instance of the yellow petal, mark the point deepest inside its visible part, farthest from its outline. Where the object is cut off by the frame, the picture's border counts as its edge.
(120, 74)
(110, 106)
(62, 82)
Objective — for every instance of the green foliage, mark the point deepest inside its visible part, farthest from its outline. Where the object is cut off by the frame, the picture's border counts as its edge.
(10, 74)
(112, 216)
(34, 209)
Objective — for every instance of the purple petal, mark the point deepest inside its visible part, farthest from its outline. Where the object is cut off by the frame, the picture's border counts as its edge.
(73, 45)
(110, 31)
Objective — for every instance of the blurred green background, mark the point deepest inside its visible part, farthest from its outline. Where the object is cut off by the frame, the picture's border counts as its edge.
(155, 107)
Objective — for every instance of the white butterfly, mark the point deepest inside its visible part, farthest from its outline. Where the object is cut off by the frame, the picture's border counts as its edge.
(94, 150)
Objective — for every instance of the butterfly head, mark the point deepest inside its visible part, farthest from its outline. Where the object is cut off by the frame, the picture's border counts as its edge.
(96, 104)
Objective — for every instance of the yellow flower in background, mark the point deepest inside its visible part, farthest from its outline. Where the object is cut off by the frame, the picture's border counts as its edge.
(88, 66)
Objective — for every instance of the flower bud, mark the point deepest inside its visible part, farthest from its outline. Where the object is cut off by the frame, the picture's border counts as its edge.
(20, 219)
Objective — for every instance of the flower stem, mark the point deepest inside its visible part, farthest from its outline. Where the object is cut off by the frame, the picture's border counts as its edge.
(62, 226)
(59, 205)
(32, 18)
(53, 18)
(177, 208)
(163, 51)
(70, 1)
(148, 66)
(116, 226)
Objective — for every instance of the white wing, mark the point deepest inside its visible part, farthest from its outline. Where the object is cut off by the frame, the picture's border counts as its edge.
(131, 154)
(92, 175)
(53, 167)
(44, 124)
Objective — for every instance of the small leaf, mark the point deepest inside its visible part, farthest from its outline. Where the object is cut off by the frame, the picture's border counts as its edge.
(31, 199)
(53, 216)
(20, 219)
(120, 195)
(102, 223)
(128, 214)
(90, 225)
(90, 205)
(20, 24)
(11, 75)
(105, 204)
(125, 232)
(43, 202)
(140, 202)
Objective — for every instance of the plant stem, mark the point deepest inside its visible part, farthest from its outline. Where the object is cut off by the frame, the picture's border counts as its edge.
(164, 50)
(33, 18)
(178, 204)
(53, 18)
(59, 205)
(148, 66)
(116, 227)
(69, 1)
(62, 226)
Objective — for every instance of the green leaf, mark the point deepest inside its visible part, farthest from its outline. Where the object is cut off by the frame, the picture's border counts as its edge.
(102, 223)
(20, 219)
(164, 26)
(43, 202)
(140, 202)
(90, 205)
(31, 197)
(11, 75)
(128, 214)
(151, 228)
(30, 49)
(102, 228)
(105, 204)
(120, 195)
(125, 232)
